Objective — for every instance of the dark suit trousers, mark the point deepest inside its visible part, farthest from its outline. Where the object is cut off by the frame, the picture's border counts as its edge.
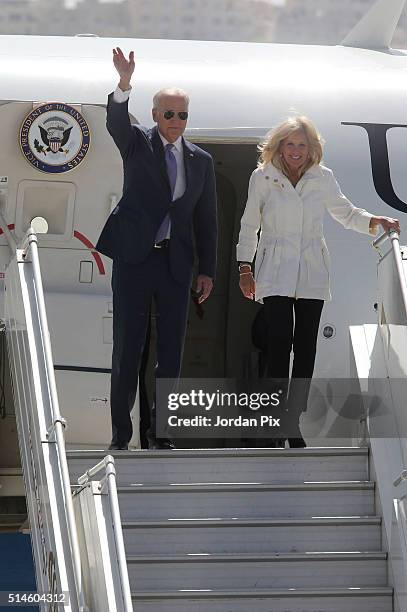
(134, 287)
(300, 334)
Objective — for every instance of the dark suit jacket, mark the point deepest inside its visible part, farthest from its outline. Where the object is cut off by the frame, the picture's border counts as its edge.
(129, 233)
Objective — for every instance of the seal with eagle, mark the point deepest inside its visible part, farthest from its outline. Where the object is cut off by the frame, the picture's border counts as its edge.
(54, 135)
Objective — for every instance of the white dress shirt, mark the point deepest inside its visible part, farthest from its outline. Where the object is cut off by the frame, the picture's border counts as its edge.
(120, 96)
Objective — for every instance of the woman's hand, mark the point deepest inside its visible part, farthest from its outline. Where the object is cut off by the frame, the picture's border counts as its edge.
(387, 223)
(247, 283)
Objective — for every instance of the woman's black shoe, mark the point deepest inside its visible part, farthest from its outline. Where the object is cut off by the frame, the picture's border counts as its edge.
(161, 444)
(297, 443)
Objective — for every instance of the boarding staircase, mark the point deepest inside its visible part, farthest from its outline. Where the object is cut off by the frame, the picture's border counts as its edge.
(215, 530)
(249, 530)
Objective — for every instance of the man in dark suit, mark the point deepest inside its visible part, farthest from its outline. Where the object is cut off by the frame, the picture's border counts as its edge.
(169, 200)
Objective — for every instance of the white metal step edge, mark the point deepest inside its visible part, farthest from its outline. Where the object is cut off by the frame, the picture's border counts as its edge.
(220, 522)
(261, 593)
(11, 471)
(224, 452)
(258, 557)
(247, 487)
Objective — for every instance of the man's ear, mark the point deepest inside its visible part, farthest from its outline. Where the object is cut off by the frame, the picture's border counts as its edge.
(154, 114)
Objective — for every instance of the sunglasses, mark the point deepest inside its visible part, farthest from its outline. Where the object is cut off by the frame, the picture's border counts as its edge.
(169, 114)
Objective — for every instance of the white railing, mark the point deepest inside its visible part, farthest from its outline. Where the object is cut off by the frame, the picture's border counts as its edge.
(61, 558)
(381, 363)
(394, 238)
(58, 424)
(111, 515)
(41, 431)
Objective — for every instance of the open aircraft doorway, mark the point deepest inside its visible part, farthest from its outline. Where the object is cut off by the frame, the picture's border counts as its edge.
(218, 340)
(219, 336)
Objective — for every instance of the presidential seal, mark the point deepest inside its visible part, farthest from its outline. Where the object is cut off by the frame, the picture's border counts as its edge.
(54, 138)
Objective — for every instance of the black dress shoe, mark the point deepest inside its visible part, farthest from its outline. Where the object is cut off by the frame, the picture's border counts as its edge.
(117, 446)
(161, 444)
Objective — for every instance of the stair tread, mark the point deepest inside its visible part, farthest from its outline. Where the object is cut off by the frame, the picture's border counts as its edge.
(246, 486)
(223, 452)
(203, 471)
(257, 593)
(12, 518)
(235, 557)
(12, 471)
(331, 520)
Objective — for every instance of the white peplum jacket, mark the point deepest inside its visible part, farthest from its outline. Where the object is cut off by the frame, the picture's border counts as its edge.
(292, 257)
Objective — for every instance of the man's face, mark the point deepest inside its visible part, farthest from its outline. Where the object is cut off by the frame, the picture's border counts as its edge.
(172, 128)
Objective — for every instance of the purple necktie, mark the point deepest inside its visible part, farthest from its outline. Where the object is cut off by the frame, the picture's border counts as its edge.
(172, 176)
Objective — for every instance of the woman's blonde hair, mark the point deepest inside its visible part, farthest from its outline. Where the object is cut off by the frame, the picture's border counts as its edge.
(270, 148)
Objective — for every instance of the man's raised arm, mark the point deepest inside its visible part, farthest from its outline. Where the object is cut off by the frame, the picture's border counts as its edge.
(118, 121)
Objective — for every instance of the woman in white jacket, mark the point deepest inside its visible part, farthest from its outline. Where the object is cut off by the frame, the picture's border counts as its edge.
(289, 193)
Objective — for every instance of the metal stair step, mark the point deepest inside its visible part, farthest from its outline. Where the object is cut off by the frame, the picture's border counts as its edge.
(229, 465)
(178, 536)
(282, 570)
(11, 522)
(247, 500)
(11, 482)
(379, 599)
(249, 530)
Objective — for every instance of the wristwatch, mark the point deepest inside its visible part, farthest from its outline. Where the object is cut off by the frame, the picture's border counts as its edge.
(245, 263)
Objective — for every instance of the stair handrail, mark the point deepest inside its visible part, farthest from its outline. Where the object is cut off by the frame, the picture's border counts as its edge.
(108, 464)
(55, 431)
(392, 457)
(400, 479)
(393, 236)
(30, 245)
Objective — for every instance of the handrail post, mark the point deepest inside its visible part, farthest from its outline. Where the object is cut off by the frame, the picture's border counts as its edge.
(118, 534)
(395, 242)
(380, 239)
(393, 236)
(31, 244)
(110, 470)
(400, 479)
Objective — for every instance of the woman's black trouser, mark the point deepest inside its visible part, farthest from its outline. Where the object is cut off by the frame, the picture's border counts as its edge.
(292, 324)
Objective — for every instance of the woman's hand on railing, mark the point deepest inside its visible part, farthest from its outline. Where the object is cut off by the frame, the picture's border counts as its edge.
(387, 223)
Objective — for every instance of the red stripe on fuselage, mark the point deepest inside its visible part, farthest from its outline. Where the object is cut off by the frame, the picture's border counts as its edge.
(91, 247)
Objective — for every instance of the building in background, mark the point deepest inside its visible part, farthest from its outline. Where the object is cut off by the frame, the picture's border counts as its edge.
(17, 17)
(88, 17)
(251, 20)
(285, 21)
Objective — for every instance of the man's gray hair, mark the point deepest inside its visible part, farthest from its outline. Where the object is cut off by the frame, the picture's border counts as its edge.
(169, 91)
